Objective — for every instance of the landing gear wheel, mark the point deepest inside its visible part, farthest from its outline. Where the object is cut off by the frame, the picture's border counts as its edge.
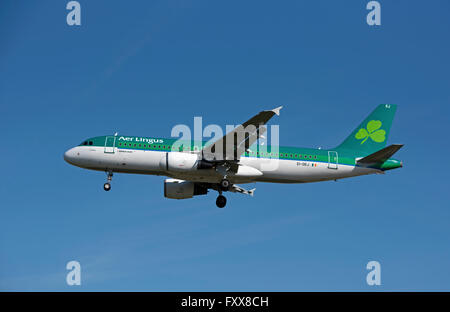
(225, 184)
(221, 201)
(106, 186)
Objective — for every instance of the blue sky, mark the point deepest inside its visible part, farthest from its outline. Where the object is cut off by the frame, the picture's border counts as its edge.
(141, 67)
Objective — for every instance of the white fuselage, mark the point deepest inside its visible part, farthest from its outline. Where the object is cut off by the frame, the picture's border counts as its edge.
(253, 169)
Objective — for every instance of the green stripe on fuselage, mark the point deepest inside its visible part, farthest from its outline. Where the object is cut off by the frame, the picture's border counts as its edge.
(166, 145)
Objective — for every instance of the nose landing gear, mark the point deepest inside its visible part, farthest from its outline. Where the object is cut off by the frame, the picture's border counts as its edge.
(107, 185)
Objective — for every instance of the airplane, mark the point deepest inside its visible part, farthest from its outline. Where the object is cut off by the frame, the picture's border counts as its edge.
(195, 167)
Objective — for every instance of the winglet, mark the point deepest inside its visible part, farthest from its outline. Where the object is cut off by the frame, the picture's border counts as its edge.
(250, 192)
(277, 110)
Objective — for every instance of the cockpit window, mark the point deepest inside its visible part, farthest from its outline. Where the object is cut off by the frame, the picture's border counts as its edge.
(90, 143)
(85, 143)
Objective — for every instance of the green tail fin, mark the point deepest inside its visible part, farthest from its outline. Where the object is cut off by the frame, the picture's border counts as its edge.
(371, 135)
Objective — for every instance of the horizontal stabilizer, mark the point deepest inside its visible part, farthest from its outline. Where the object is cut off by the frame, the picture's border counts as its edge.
(382, 155)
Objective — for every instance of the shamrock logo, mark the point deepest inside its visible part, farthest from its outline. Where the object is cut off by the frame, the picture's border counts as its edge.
(373, 131)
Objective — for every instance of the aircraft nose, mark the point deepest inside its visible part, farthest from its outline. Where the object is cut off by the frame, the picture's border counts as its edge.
(70, 155)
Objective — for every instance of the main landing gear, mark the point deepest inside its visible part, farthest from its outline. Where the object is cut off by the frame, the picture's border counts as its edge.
(107, 185)
(224, 186)
(221, 201)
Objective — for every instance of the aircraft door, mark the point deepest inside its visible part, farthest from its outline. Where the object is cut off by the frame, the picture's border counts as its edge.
(332, 160)
(110, 143)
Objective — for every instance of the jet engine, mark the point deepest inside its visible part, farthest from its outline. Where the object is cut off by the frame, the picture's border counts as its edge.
(180, 189)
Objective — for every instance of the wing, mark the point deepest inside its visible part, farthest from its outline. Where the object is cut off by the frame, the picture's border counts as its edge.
(235, 143)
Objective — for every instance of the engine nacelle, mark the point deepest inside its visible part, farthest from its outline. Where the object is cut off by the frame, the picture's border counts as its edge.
(182, 162)
(180, 189)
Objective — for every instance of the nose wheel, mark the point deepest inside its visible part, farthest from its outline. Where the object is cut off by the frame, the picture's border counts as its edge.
(221, 201)
(107, 185)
